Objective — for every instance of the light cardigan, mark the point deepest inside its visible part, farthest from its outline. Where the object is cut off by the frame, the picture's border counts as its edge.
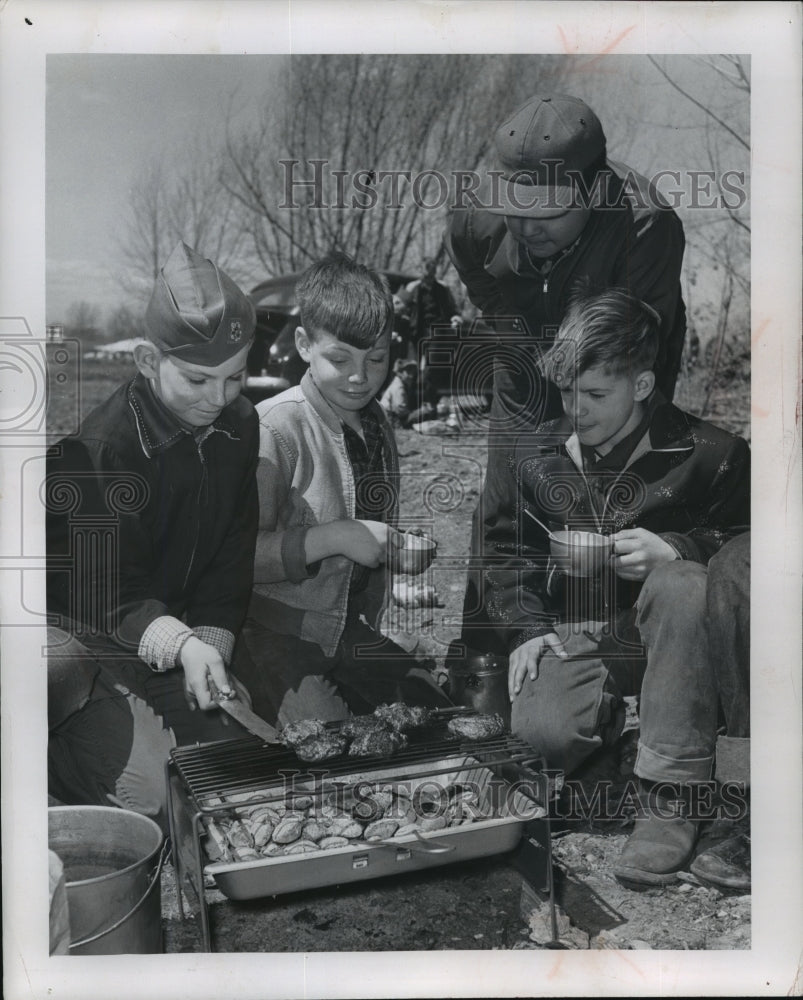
(305, 478)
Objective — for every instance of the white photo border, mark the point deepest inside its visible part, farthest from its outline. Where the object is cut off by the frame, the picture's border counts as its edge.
(771, 34)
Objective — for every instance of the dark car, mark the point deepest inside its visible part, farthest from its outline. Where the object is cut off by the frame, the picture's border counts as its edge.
(273, 363)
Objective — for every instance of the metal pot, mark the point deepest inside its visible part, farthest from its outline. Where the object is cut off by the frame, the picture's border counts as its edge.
(112, 865)
(479, 680)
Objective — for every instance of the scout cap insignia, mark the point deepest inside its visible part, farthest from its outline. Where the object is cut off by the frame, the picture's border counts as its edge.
(548, 153)
(197, 313)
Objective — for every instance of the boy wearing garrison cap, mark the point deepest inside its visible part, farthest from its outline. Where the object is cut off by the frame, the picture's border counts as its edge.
(152, 518)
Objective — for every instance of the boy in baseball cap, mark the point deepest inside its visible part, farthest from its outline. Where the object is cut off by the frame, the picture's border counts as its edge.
(151, 553)
(551, 156)
(558, 213)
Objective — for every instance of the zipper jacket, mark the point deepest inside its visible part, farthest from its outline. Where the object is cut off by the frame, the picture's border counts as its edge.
(634, 241)
(305, 478)
(685, 480)
(147, 520)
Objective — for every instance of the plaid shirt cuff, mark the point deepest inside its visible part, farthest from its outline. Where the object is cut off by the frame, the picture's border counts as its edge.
(220, 638)
(161, 642)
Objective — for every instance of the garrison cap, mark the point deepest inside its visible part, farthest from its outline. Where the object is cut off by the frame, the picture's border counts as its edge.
(197, 313)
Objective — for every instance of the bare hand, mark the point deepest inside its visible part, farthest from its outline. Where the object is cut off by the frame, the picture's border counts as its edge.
(366, 542)
(200, 662)
(526, 657)
(637, 552)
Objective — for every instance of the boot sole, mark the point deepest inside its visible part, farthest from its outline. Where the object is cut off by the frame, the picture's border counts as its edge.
(735, 884)
(639, 880)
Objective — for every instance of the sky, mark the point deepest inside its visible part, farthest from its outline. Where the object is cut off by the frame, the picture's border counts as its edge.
(106, 118)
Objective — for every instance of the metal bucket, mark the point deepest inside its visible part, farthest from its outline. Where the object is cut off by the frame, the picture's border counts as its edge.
(112, 862)
(480, 681)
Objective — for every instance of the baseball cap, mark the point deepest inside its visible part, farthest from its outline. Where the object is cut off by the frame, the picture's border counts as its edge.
(196, 312)
(548, 152)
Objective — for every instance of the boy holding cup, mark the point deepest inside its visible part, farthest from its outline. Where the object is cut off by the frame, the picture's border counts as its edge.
(669, 490)
(328, 478)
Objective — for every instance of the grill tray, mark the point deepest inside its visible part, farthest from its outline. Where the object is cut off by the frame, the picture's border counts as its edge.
(218, 777)
(371, 859)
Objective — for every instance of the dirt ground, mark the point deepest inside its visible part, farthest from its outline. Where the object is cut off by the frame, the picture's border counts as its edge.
(483, 904)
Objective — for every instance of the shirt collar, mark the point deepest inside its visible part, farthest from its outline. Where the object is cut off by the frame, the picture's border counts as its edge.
(619, 456)
(511, 256)
(157, 428)
(324, 410)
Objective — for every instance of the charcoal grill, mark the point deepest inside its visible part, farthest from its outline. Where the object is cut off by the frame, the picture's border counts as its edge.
(212, 781)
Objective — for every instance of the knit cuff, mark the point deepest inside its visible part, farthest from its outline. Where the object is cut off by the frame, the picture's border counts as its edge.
(532, 632)
(294, 555)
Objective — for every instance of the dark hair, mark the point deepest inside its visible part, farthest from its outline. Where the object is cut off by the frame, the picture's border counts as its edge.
(611, 329)
(346, 300)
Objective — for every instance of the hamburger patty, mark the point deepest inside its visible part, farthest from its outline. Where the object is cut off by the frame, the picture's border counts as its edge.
(382, 742)
(297, 732)
(321, 747)
(402, 717)
(476, 727)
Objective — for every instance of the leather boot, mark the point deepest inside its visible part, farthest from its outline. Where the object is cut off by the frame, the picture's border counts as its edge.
(663, 840)
(726, 864)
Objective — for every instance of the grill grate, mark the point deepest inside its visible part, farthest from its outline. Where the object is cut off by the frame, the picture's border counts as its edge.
(205, 781)
(213, 771)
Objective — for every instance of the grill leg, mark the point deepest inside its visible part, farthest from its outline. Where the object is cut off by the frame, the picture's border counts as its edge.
(534, 861)
(199, 881)
(173, 842)
(185, 835)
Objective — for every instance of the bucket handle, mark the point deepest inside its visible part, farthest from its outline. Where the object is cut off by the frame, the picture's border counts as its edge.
(163, 854)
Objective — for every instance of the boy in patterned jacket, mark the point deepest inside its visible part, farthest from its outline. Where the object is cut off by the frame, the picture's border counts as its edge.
(669, 490)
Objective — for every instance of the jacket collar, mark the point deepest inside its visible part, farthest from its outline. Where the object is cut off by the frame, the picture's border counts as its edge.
(669, 431)
(157, 428)
(509, 255)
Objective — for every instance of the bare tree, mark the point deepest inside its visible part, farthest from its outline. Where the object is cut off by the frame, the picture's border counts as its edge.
(144, 238)
(83, 321)
(178, 199)
(122, 324)
(351, 153)
(718, 94)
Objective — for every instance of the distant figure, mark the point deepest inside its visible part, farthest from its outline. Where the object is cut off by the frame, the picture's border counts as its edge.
(429, 304)
(398, 400)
